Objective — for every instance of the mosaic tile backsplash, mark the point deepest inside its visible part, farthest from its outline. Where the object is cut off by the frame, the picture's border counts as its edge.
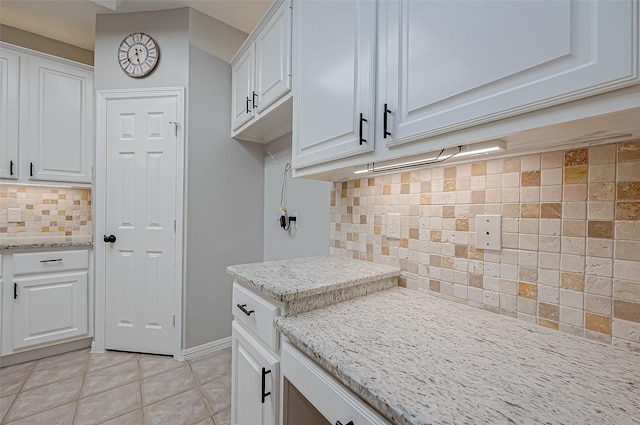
(570, 257)
(47, 212)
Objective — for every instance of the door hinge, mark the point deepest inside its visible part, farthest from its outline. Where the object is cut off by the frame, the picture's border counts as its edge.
(174, 320)
(175, 226)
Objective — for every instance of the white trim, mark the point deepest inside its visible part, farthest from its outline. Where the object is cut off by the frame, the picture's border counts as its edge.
(102, 98)
(204, 349)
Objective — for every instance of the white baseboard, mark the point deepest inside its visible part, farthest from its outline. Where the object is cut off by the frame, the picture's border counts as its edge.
(204, 349)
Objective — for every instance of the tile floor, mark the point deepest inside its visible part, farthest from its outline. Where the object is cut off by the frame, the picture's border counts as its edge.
(117, 388)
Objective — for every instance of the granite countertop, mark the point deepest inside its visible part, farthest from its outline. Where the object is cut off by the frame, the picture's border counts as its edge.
(58, 242)
(286, 280)
(418, 359)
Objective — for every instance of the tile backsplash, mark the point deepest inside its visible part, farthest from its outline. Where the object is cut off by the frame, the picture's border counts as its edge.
(570, 257)
(47, 212)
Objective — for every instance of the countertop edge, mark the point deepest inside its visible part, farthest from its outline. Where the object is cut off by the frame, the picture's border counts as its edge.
(37, 245)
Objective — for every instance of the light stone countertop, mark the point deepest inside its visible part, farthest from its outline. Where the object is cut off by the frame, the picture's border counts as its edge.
(418, 359)
(287, 280)
(51, 242)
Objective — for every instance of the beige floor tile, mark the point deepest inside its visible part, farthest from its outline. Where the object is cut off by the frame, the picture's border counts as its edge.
(152, 365)
(218, 393)
(110, 404)
(5, 404)
(182, 409)
(167, 384)
(133, 418)
(13, 377)
(213, 366)
(40, 399)
(109, 358)
(61, 415)
(57, 368)
(223, 418)
(111, 377)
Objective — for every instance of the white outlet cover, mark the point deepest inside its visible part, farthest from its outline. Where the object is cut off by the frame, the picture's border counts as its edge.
(393, 225)
(489, 232)
(14, 215)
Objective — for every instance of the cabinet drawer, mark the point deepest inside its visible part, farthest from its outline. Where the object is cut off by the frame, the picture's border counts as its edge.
(255, 314)
(50, 261)
(329, 397)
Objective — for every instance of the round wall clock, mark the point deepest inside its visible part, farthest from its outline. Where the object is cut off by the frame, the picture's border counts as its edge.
(138, 54)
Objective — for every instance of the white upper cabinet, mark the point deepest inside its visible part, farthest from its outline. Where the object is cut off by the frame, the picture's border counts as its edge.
(60, 130)
(449, 65)
(334, 56)
(9, 113)
(261, 79)
(242, 89)
(46, 112)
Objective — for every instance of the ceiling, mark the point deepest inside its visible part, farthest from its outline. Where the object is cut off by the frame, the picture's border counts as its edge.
(73, 21)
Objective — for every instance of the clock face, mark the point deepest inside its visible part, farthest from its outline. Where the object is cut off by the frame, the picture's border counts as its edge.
(138, 54)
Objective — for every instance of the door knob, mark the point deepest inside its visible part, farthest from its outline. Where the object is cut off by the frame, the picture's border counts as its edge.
(110, 238)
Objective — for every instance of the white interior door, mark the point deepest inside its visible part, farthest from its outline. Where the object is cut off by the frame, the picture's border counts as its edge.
(140, 212)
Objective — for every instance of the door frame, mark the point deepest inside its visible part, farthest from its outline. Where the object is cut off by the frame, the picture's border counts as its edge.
(99, 205)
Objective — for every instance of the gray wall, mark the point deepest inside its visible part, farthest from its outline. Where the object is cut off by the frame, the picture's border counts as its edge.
(38, 43)
(224, 178)
(309, 198)
(224, 191)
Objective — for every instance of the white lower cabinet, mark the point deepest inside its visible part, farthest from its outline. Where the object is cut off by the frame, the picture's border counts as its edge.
(46, 309)
(45, 299)
(254, 384)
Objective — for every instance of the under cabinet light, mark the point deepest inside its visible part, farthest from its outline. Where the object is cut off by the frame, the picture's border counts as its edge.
(431, 158)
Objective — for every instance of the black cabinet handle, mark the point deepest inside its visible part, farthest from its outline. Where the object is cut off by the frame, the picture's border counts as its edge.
(264, 376)
(11, 168)
(248, 110)
(109, 239)
(244, 310)
(361, 121)
(31, 169)
(51, 261)
(15, 291)
(387, 111)
(255, 105)
(340, 423)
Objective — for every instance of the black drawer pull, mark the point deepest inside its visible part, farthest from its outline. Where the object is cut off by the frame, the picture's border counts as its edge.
(51, 261)
(340, 423)
(31, 169)
(264, 376)
(15, 291)
(244, 310)
(11, 168)
(248, 110)
(253, 100)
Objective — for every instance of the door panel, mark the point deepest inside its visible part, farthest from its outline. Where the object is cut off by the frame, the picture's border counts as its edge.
(9, 113)
(141, 197)
(242, 89)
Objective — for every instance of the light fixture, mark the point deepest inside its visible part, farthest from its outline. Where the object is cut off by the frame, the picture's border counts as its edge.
(432, 157)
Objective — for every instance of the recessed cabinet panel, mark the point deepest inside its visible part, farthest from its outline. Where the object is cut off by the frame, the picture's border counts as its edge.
(273, 59)
(49, 309)
(241, 90)
(333, 79)
(9, 113)
(447, 66)
(60, 122)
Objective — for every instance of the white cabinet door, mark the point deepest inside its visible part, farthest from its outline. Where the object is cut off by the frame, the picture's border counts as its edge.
(255, 373)
(449, 65)
(9, 113)
(242, 93)
(60, 122)
(333, 80)
(273, 59)
(49, 308)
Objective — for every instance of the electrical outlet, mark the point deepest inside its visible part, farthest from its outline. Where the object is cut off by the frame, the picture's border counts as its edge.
(294, 222)
(489, 232)
(393, 225)
(14, 215)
